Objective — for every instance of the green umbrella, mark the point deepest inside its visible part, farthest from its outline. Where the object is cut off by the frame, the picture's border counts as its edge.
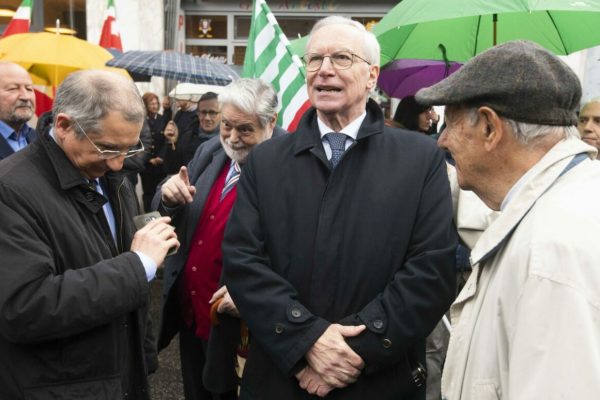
(463, 28)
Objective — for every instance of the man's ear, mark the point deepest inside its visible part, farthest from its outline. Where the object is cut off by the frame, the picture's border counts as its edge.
(62, 127)
(372, 77)
(494, 129)
(272, 124)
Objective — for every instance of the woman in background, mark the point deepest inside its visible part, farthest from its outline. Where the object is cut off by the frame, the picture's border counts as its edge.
(153, 173)
(415, 117)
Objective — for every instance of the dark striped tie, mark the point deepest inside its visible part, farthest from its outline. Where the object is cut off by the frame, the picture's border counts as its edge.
(232, 177)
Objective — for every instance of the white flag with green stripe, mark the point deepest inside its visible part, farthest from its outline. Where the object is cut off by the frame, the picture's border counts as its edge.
(270, 58)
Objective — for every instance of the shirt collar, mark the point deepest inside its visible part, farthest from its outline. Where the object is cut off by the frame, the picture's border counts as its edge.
(516, 188)
(351, 129)
(6, 130)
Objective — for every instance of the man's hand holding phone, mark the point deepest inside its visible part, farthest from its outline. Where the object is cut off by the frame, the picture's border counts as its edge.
(155, 237)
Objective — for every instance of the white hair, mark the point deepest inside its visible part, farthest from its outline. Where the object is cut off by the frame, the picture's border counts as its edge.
(526, 133)
(252, 97)
(370, 46)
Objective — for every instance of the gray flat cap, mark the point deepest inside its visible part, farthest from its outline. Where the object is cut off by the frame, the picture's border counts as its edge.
(519, 80)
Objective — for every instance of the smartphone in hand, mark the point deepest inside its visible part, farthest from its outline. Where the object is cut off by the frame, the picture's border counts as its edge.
(141, 220)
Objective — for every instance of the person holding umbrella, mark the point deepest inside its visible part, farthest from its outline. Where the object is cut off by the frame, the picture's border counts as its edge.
(527, 323)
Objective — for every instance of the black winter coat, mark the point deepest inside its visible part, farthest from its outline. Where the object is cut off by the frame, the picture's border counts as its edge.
(73, 317)
(371, 242)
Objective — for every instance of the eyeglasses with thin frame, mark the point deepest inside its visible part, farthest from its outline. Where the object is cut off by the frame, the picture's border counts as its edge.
(110, 154)
(340, 60)
(210, 113)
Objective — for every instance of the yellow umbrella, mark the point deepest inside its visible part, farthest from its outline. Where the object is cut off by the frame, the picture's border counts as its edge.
(50, 57)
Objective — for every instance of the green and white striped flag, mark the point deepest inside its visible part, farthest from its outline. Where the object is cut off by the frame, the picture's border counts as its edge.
(270, 58)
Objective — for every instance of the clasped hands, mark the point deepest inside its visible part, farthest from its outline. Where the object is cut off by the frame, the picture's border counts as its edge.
(331, 362)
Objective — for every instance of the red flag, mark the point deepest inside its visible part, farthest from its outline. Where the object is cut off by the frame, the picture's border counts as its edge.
(110, 36)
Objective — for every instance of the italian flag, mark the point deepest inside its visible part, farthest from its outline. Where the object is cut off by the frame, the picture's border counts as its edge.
(270, 58)
(21, 20)
(20, 24)
(110, 36)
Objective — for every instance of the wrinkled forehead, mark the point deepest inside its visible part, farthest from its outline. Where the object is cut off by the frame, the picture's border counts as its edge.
(11, 74)
(591, 109)
(333, 38)
(454, 113)
(235, 116)
(212, 104)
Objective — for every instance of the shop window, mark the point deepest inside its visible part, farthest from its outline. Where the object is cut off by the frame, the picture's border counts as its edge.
(218, 53)
(291, 26)
(368, 22)
(72, 15)
(206, 27)
(296, 27)
(239, 53)
(241, 27)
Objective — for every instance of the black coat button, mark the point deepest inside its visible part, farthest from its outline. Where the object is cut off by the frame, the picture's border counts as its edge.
(278, 329)
(378, 324)
(387, 343)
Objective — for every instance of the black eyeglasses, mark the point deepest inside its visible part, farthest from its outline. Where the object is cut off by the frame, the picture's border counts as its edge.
(340, 60)
(110, 154)
(210, 113)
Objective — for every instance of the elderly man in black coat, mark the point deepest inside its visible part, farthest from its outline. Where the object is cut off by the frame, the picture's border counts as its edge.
(74, 272)
(339, 252)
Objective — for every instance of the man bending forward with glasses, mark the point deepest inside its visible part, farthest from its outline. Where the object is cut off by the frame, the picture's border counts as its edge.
(339, 251)
(73, 271)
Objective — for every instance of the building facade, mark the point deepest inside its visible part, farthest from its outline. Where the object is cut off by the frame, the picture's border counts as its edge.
(219, 28)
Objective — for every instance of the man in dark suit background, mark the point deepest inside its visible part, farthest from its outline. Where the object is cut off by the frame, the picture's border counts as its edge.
(182, 142)
(17, 104)
(199, 198)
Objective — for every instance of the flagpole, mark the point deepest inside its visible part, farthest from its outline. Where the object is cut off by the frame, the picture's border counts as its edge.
(57, 41)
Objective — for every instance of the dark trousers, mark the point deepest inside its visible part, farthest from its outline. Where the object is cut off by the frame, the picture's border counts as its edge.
(151, 177)
(192, 351)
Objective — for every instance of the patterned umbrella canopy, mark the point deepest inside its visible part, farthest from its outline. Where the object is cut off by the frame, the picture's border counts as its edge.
(176, 66)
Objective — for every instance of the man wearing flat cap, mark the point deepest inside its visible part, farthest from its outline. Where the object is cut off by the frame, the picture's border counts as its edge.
(527, 323)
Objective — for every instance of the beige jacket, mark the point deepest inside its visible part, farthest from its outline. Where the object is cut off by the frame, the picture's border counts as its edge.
(527, 323)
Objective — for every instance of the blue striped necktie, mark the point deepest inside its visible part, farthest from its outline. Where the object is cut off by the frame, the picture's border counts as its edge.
(337, 142)
(232, 177)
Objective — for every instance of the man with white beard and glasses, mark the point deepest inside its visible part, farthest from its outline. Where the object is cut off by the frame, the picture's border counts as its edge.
(199, 199)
